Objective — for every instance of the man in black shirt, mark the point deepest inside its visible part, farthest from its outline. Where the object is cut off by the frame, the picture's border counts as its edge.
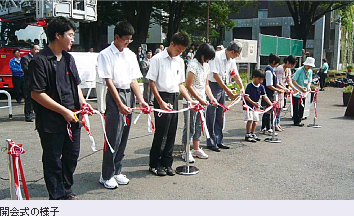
(25, 60)
(54, 81)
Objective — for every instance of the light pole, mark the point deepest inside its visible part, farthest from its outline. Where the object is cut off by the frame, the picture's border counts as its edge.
(208, 7)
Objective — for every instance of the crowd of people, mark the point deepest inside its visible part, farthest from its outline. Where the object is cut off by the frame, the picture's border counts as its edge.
(52, 81)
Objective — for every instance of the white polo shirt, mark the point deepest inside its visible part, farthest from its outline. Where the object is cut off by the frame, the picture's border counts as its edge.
(221, 66)
(166, 72)
(121, 67)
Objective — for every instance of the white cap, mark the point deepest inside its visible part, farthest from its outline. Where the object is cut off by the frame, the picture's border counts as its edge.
(310, 62)
(220, 46)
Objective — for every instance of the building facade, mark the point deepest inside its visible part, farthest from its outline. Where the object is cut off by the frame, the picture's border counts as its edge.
(273, 18)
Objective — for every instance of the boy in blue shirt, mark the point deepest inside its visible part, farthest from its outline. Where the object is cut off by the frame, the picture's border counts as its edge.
(254, 91)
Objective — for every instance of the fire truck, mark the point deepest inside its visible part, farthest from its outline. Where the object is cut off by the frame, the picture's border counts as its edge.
(24, 21)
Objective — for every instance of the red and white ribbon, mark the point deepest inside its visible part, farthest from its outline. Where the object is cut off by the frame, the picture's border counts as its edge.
(200, 109)
(304, 95)
(228, 108)
(15, 150)
(84, 112)
(148, 111)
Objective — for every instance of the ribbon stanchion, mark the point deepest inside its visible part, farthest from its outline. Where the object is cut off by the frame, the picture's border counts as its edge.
(16, 170)
(274, 116)
(314, 125)
(187, 169)
(304, 95)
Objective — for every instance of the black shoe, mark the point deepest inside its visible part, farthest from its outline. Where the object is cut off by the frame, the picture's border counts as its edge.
(222, 146)
(151, 103)
(213, 148)
(170, 171)
(29, 119)
(159, 171)
(299, 124)
(71, 197)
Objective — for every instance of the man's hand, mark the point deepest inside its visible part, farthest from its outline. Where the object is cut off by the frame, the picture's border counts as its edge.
(70, 116)
(90, 109)
(124, 109)
(230, 94)
(280, 91)
(165, 106)
(143, 104)
(193, 102)
(214, 102)
(204, 102)
(242, 91)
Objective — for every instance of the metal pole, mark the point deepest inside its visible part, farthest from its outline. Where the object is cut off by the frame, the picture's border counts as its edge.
(273, 139)
(188, 141)
(186, 169)
(208, 8)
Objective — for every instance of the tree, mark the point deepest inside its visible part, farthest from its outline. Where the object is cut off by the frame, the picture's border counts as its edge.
(347, 19)
(306, 13)
(191, 17)
(109, 13)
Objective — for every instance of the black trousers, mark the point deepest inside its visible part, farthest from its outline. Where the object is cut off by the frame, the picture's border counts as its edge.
(59, 160)
(164, 138)
(298, 109)
(19, 87)
(323, 77)
(28, 100)
(267, 119)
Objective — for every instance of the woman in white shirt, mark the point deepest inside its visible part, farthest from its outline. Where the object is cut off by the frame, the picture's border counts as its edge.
(197, 84)
(283, 72)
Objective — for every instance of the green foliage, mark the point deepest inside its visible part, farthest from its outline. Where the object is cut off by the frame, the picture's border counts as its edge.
(348, 89)
(350, 67)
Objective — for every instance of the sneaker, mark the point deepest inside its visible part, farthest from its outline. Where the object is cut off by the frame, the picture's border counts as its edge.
(121, 179)
(270, 133)
(170, 171)
(191, 159)
(263, 131)
(159, 171)
(199, 154)
(284, 109)
(109, 184)
(254, 136)
(249, 138)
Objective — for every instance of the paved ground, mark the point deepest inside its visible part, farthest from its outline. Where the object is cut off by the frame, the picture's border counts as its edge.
(309, 163)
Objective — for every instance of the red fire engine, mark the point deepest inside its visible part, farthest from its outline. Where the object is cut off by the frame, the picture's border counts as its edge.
(17, 15)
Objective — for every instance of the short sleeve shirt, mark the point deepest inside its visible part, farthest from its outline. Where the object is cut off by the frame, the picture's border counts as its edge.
(121, 67)
(65, 86)
(302, 77)
(254, 92)
(325, 67)
(166, 72)
(270, 80)
(281, 74)
(44, 77)
(200, 75)
(222, 66)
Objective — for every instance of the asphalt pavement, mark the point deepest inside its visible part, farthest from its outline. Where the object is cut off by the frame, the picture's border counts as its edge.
(309, 163)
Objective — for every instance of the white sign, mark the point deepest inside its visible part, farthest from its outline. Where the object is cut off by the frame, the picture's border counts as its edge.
(86, 65)
(249, 51)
